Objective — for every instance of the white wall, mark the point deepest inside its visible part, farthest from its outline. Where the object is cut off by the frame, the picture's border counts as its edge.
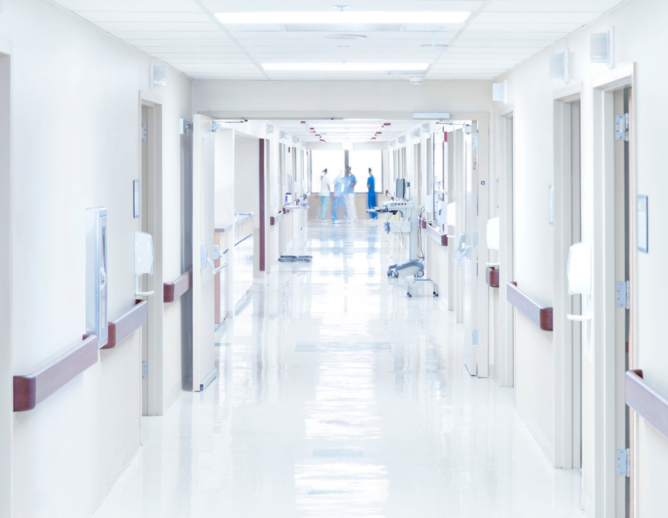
(641, 37)
(324, 99)
(75, 145)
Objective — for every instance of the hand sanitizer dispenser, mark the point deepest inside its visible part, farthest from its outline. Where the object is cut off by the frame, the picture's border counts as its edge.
(144, 258)
(579, 271)
(96, 275)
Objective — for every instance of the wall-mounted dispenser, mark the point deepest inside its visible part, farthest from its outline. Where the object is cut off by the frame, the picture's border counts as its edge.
(580, 278)
(204, 259)
(96, 275)
(443, 214)
(144, 258)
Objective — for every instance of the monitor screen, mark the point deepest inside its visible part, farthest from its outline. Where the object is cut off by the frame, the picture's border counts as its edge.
(401, 188)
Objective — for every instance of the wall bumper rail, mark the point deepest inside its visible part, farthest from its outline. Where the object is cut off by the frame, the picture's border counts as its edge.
(493, 276)
(433, 232)
(174, 290)
(275, 220)
(124, 326)
(647, 402)
(539, 315)
(53, 373)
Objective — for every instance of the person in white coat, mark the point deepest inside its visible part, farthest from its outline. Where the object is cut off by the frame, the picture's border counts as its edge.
(326, 192)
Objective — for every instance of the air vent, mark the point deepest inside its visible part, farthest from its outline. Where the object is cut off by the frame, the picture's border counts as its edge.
(346, 37)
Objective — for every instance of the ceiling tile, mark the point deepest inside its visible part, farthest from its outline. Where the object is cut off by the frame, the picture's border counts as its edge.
(182, 33)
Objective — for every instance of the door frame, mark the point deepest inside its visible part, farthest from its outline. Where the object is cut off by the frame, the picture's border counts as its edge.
(605, 376)
(504, 372)
(6, 282)
(153, 212)
(568, 390)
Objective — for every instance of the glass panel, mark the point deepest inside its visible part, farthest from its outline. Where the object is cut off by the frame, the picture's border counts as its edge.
(360, 162)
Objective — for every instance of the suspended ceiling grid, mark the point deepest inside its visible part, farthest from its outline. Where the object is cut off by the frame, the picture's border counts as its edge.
(498, 35)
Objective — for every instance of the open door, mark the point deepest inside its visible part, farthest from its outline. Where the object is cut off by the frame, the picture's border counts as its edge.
(6, 387)
(471, 257)
(204, 155)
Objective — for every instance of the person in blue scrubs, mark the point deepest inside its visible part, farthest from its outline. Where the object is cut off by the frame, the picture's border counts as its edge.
(371, 197)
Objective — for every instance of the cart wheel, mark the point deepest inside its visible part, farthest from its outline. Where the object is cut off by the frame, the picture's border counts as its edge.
(409, 294)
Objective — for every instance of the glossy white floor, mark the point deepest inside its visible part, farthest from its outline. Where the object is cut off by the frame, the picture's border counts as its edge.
(340, 396)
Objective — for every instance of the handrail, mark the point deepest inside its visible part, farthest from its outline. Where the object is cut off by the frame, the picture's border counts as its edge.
(539, 315)
(174, 290)
(124, 326)
(493, 276)
(433, 232)
(275, 220)
(53, 373)
(647, 402)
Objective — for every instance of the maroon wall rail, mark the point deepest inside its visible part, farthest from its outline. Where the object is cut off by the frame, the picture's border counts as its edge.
(275, 220)
(539, 315)
(647, 402)
(441, 239)
(124, 326)
(31, 389)
(493, 276)
(174, 290)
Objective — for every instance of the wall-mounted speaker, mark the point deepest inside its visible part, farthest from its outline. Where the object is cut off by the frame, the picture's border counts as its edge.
(600, 48)
(499, 91)
(559, 66)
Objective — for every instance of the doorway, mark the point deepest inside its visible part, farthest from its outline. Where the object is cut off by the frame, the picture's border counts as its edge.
(614, 333)
(568, 330)
(149, 213)
(624, 279)
(504, 363)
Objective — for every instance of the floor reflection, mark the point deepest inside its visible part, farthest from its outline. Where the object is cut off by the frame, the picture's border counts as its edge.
(340, 396)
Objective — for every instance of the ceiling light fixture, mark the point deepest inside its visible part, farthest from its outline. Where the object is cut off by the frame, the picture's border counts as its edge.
(345, 67)
(433, 47)
(343, 17)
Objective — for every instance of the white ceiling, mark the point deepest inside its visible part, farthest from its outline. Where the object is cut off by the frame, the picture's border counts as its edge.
(184, 33)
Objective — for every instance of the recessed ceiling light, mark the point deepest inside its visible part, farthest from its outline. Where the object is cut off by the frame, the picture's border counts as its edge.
(344, 67)
(343, 17)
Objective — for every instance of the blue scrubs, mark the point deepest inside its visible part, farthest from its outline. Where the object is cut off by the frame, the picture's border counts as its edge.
(338, 201)
(371, 197)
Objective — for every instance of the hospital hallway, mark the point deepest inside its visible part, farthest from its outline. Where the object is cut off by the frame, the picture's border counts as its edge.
(338, 395)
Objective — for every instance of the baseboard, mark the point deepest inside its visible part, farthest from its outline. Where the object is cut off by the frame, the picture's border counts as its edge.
(588, 504)
(171, 396)
(538, 434)
(127, 456)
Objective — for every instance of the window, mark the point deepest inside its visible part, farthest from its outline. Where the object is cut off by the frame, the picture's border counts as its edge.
(360, 162)
(333, 161)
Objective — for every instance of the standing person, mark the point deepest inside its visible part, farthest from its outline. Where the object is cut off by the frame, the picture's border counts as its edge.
(338, 197)
(326, 190)
(349, 191)
(371, 197)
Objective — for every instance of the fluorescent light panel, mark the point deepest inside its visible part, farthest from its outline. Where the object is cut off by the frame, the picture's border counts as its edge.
(344, 67)
(346, 17)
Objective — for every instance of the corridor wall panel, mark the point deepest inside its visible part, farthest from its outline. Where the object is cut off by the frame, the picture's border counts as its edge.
(640, 38)
(75, 144)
